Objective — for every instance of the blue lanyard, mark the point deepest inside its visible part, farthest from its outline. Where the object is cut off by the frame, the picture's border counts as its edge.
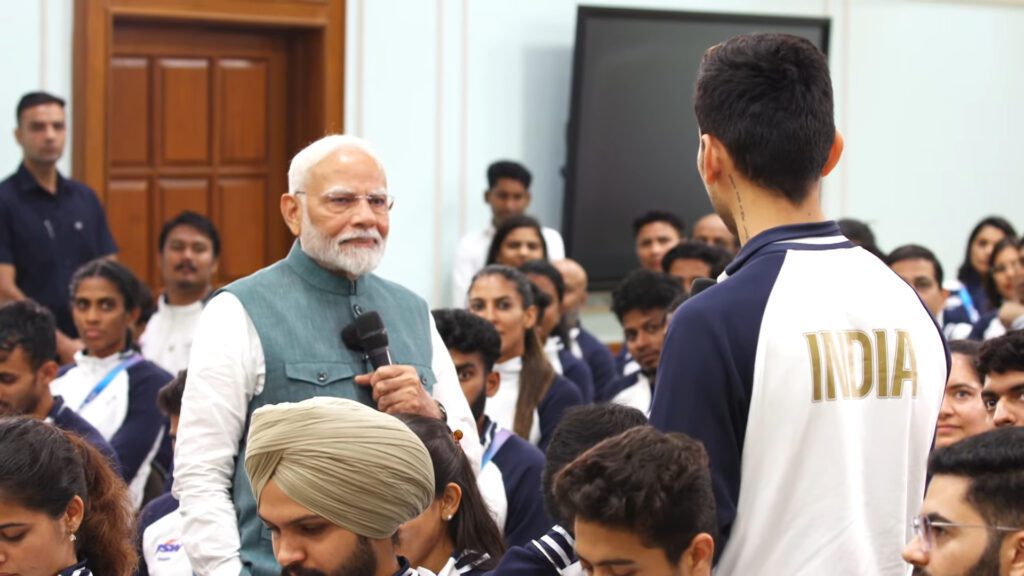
(499, 440)
(102, 384)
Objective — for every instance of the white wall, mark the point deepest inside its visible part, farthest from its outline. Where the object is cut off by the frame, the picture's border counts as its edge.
(927, 94)
(35, 41)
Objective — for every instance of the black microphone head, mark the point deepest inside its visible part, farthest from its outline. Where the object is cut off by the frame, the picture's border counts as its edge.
(350, 338)
(701, 284)
(371, 331)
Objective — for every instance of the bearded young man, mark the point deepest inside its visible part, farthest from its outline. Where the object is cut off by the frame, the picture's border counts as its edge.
(273, 337)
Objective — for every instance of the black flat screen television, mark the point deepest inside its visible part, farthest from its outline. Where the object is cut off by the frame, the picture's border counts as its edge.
(632, 136)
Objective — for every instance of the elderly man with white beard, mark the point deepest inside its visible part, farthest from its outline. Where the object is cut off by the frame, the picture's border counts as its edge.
(274, 337)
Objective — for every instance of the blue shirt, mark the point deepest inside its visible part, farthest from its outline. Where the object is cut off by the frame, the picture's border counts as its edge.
(521, 465)
(578, 373)
(550, 555)
(66, 419)
(600, 360)
(46, 237)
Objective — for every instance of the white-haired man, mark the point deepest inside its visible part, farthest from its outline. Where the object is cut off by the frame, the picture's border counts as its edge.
(274, 337)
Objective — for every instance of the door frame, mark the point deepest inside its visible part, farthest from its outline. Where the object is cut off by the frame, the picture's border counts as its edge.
(316, 63)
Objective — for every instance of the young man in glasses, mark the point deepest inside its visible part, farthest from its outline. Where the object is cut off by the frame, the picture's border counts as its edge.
(972, 519)
(641, 304)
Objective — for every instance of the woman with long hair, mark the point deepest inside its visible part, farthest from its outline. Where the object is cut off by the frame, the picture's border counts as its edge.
(532, 396)
(110, 385)
(63, 510)
(456, 535)
(1001, 284)
(985, 235)
(518, 240)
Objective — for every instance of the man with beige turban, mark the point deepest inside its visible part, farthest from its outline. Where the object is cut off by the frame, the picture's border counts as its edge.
(333, 480)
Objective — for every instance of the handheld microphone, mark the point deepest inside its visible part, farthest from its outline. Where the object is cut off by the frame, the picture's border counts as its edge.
(367, 334)
(701, 284)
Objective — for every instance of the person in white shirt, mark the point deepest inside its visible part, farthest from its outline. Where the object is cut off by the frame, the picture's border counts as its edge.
(189, 254)
(274, 337)
(508, 194)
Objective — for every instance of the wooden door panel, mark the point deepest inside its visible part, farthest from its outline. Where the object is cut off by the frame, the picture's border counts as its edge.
(243, 111)
(241, 210)
(184, 85)
(129, 118)
(180, 194)
(128, 210)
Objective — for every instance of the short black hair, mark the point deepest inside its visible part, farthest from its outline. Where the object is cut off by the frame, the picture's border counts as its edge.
(580, 429)
(547, 270)
(33, 99)
(659, 216)
(193, 220)
(644, 290)
(147, 304)
(768, 99)
(508, 169)
(993, 463)
(1002, 354)
(915, 252)
(649, 483)
(714, 257)
(169, 397)
(860, 234)
(31, 327)
(468, 333)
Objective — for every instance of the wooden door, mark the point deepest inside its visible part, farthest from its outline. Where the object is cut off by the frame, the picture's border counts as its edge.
(197, 121)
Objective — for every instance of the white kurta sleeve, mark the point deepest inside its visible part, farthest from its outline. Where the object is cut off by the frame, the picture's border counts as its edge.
(448, 392)
(226, 369)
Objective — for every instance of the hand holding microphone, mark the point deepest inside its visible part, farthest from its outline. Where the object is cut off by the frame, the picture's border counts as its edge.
(396, 389)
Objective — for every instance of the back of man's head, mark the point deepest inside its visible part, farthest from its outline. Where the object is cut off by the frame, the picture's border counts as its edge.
(659, 216)
(508, 169)
(1002, 354)
(30, 327)
(768, 99)
(915, 252)
(993, 463)
(580, 429)
(654, 485)
(468, 333)
(644, 290)
(33, 99)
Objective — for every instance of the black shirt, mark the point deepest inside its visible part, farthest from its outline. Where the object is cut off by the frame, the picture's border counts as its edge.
(48, 236)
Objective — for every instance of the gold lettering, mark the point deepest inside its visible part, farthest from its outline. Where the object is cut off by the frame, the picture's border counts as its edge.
(861, 338)
(835, 367)
(905, 367)
(882, 365)
(815, 352)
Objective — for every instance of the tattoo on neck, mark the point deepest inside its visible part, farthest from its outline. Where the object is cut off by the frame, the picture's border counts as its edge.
(739, 202)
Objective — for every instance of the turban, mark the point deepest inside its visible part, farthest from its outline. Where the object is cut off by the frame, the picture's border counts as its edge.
(361, 469)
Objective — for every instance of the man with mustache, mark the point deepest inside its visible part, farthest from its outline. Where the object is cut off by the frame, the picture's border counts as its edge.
(189, 253)
(274, 337)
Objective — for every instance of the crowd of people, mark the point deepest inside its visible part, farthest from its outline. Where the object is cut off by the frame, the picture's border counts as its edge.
(788, 398)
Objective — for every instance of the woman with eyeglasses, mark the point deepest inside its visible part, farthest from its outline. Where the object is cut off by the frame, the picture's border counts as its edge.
(532, 397)
(63, 510)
